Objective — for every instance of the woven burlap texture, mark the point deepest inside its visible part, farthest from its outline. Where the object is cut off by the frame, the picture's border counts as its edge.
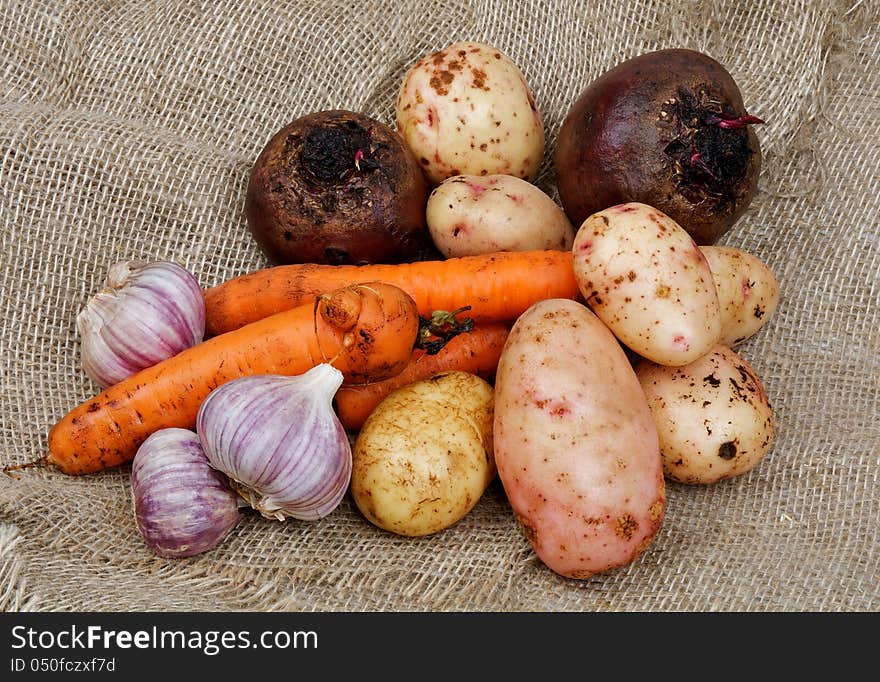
(128, 131)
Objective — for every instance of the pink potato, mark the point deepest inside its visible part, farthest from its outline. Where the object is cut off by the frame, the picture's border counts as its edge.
(576, 447)
(748, 292)
(472, 214)
(647, 280)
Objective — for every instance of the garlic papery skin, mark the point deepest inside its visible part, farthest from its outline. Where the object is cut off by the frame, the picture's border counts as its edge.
(182, 505)
(280, 442)
(146, 313)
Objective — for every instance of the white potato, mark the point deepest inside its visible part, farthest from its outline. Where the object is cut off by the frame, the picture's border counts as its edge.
(748, 291)
(713, 416)
(424, 456)
(645, 277)
(471, 214)
(467, 109)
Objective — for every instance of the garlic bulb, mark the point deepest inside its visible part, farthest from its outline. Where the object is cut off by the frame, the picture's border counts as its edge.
(146, 313)
(182, 506)
(280, 442)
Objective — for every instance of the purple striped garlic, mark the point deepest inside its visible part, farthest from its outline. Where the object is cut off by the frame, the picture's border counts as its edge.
(279, 441)
(182, 506)
(146, 313)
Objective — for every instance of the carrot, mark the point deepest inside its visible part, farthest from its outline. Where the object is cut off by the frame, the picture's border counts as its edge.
(476, 352)
(497, 286)
(366, 331)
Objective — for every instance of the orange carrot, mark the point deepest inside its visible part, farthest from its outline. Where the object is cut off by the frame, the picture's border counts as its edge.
(366, 331)
(496, 286)
(476, 352)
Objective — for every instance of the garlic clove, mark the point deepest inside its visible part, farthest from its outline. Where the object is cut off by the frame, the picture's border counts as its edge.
(280, 442)
(146, 313)
(182, 505)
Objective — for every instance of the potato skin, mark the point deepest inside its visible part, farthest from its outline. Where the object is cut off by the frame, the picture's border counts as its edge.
(748, 292)
(424, 456)
(470, 215)
(647, 280)
(467, 109)
(575, 444)
(627, 138)
(713, 416)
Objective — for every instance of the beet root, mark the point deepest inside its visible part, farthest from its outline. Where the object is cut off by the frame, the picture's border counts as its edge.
(667, 129)
(338, 187)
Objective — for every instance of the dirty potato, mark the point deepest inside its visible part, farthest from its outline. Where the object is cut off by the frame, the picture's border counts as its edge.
(467, 109)
(424, 456)
(645, 277)
(748, 291)
(470, 215)
(713, 416)
(575, 444)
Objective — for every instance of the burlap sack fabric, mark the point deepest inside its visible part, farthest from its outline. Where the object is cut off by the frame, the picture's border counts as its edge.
(128, 130)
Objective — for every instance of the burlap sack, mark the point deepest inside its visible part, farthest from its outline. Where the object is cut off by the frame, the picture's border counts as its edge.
(128, 130)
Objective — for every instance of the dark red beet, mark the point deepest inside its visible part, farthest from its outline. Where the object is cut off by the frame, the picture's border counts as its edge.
(338, 187)
(667, 129)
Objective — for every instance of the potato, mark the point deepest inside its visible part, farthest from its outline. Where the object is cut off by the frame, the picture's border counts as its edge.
(575, 444)
(468, 110)
(470, 214)
(748, 291)
(648, 281)
(423, 457)
(712, 416)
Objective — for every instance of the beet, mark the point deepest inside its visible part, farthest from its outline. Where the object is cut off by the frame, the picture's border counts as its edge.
(338, 187)
(667, 129)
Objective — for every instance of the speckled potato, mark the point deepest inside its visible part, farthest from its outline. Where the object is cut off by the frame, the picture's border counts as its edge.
(575, 444)
(424, 456)
(470, 214)
(646, 278)
(713, 416)
(748, 291)
(467, 109)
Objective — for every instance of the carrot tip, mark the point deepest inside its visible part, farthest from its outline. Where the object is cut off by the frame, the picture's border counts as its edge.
(36, 464)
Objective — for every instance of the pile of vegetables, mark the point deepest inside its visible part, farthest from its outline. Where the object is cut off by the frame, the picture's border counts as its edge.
(431, 319)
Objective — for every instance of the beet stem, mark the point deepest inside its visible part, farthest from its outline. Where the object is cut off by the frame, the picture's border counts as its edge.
(697, 160)
(732, 122)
